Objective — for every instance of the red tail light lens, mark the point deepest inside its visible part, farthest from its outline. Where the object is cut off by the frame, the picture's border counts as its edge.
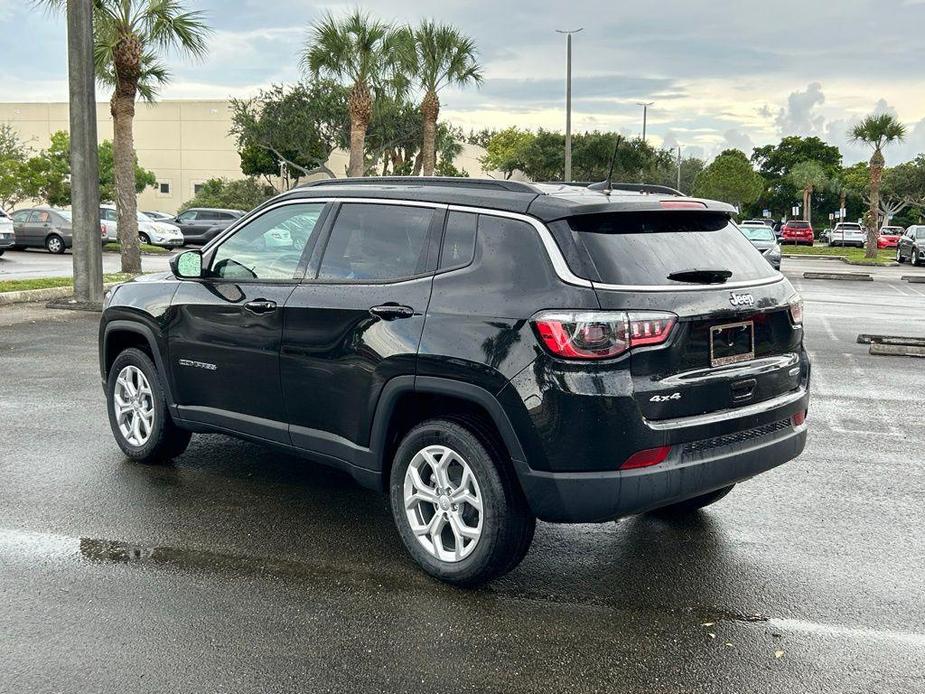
(796, 309)
(646, 458)
(102, 231)
(799, 418)
(600, 334)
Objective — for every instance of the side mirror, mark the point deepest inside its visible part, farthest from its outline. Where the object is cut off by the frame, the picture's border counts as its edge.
(187, 265)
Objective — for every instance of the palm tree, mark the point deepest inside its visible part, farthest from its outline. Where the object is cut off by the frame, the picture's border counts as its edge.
(876, 131)
(130, 38)
(808, 176)
(363, 52)
(442, 56)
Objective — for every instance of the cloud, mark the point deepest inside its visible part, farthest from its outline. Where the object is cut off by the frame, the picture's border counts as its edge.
(736, 139)
(799, 116)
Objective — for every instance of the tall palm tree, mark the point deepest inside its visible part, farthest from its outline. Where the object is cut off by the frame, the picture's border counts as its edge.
(808, 176)
(131, 37)
(441, 56)
(363, 52)
(878, 132)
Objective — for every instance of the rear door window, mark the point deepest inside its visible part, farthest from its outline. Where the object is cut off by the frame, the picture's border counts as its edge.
(644, 248)
(377, 243)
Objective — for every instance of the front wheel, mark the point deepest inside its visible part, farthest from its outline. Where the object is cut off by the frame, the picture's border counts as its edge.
(683, 508)
(457, 504)
(143, 238)
(914, 256)
(138, 412)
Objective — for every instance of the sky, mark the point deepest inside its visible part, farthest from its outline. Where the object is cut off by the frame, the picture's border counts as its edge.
(721, 74)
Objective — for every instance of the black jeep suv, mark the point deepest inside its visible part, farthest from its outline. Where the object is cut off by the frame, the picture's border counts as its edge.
(486, 352)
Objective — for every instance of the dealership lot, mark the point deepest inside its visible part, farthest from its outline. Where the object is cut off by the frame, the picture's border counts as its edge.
(238, 569)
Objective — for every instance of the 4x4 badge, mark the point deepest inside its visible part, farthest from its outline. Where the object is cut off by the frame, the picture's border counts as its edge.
(741, 299)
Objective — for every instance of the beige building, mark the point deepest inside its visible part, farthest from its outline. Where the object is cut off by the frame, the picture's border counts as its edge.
(183, 142)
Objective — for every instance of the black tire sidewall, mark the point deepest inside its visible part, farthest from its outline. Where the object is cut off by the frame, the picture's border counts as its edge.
(155, 445)
(55, 237)
(481, 564)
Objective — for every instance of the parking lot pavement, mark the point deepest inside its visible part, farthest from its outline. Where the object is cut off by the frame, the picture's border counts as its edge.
(30, 264)
(237, 569)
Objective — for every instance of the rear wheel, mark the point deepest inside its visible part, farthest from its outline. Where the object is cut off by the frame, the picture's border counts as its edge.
(690, 505)
(457, 504)
(899, 256)
(143, 237)
(138, 412)
(914, 256)
(54, 244)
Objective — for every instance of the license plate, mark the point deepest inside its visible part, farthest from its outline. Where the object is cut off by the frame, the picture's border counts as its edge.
(732, 343)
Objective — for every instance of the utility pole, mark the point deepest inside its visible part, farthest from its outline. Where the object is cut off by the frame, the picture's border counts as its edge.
(568, 99)
(645, 110)
(85, 176)
(679, 167)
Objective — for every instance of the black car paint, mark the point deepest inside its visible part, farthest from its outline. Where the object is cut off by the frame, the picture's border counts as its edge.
(322, 376)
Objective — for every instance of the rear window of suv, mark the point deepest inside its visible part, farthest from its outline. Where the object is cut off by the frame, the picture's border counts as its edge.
(798, 225)
(644, 248)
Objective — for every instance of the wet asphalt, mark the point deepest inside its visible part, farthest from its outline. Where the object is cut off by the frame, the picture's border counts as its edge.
(237, 569)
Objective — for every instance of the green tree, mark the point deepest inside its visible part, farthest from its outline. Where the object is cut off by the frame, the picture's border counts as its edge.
(730, 178)
(544, 160)
(297, 126)
(241, 194)
(131, 37)
(808, 176)
(439, 56)
(13, 156)
(877, 132)
(506, 150)
(775, 162)
(363, 52)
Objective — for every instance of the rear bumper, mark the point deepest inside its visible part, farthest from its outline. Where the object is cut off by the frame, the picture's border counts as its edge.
(588, 497)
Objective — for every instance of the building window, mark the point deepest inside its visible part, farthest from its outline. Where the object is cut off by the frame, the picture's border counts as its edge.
(197, 187)
(163, 188)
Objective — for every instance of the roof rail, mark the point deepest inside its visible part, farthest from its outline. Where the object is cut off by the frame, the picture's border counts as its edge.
(428, 182)
(637, 188)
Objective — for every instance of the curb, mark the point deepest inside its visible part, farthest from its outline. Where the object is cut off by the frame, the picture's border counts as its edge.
(914, 279)
(814, 257)
(850, 276)
(48, 294)
(885, 350)
(869, 339)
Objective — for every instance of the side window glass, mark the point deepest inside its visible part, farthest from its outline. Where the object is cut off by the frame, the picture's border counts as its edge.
(187, 216)
(377, 242)
(44, 217)
(270, 246)
(21, 217)
(458, 240)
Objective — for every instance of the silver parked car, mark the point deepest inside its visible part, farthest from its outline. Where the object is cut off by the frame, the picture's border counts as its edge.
(762, 237)
(7, 238)
(848, 234)
(150, 231)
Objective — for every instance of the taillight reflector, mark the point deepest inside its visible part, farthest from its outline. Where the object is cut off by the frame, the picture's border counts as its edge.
(646, 458)
(799, 418)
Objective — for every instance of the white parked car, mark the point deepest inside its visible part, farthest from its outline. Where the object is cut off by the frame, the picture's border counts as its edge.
(7, 238)
(149, 231)
(848, 234)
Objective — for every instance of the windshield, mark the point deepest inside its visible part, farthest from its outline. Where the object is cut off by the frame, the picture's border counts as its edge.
(644, 248)
(755, 233)
(142, 217)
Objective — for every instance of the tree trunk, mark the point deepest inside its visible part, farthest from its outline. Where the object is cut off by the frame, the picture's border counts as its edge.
(807, 213)
(360, 104)
(873, 214)
(122, 108)
(430, 109)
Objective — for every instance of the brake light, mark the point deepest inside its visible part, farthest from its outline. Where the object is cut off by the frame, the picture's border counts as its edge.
(682, 205)
(796, 309)
(646, 458)
(102, 231)
(600, 334)
(799, 418)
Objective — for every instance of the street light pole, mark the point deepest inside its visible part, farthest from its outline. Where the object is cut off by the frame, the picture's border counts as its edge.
(645, 110)
(85, 177)
(568, 99)
(679, 167)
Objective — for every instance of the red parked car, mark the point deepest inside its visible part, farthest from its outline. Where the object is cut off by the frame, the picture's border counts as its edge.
(797, 231)
(889, 237)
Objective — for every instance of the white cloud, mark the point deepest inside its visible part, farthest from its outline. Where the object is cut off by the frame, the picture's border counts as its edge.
(800, 116)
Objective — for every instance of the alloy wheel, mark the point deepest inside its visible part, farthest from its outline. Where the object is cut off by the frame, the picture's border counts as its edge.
(54, 244)
(443, 503)
(133, 403)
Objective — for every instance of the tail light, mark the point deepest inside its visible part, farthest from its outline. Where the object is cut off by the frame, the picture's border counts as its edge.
(600, 334)
(799, 418)
(646, 458)
(796, 309)
(102, 231)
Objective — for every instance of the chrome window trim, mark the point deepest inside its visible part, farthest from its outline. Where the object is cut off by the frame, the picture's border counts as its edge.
(727, 415)
(559, 264)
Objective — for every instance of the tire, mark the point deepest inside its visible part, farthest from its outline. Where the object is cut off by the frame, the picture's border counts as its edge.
(914, 256)
(899, 256)
(683, 508)
(55, 244)
(143, 238)
(505, 524)
(164, 440)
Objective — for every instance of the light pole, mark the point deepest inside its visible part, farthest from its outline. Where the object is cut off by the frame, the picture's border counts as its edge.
(568, 99)
(85, 177)
(645, 110)
(679, 167)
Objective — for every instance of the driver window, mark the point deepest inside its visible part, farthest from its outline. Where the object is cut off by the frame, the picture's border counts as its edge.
(270, 246)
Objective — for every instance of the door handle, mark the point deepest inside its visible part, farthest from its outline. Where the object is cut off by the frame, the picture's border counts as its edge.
(260, 306)
(392, 311)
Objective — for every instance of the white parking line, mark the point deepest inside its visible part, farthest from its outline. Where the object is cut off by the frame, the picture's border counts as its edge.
(828, 328)
(907, 638)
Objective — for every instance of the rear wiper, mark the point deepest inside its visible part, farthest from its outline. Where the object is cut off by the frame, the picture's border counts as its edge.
(701, 276)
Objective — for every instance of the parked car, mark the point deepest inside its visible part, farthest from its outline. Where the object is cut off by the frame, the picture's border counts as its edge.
(160, 216)
(44, 227)
(889, 236)
(486, 352)
(762, 237)
(848, 234)
(201, 225)
(758, 222)
(797, 231)
(911, 245)
(7, 237)
(149, 231)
